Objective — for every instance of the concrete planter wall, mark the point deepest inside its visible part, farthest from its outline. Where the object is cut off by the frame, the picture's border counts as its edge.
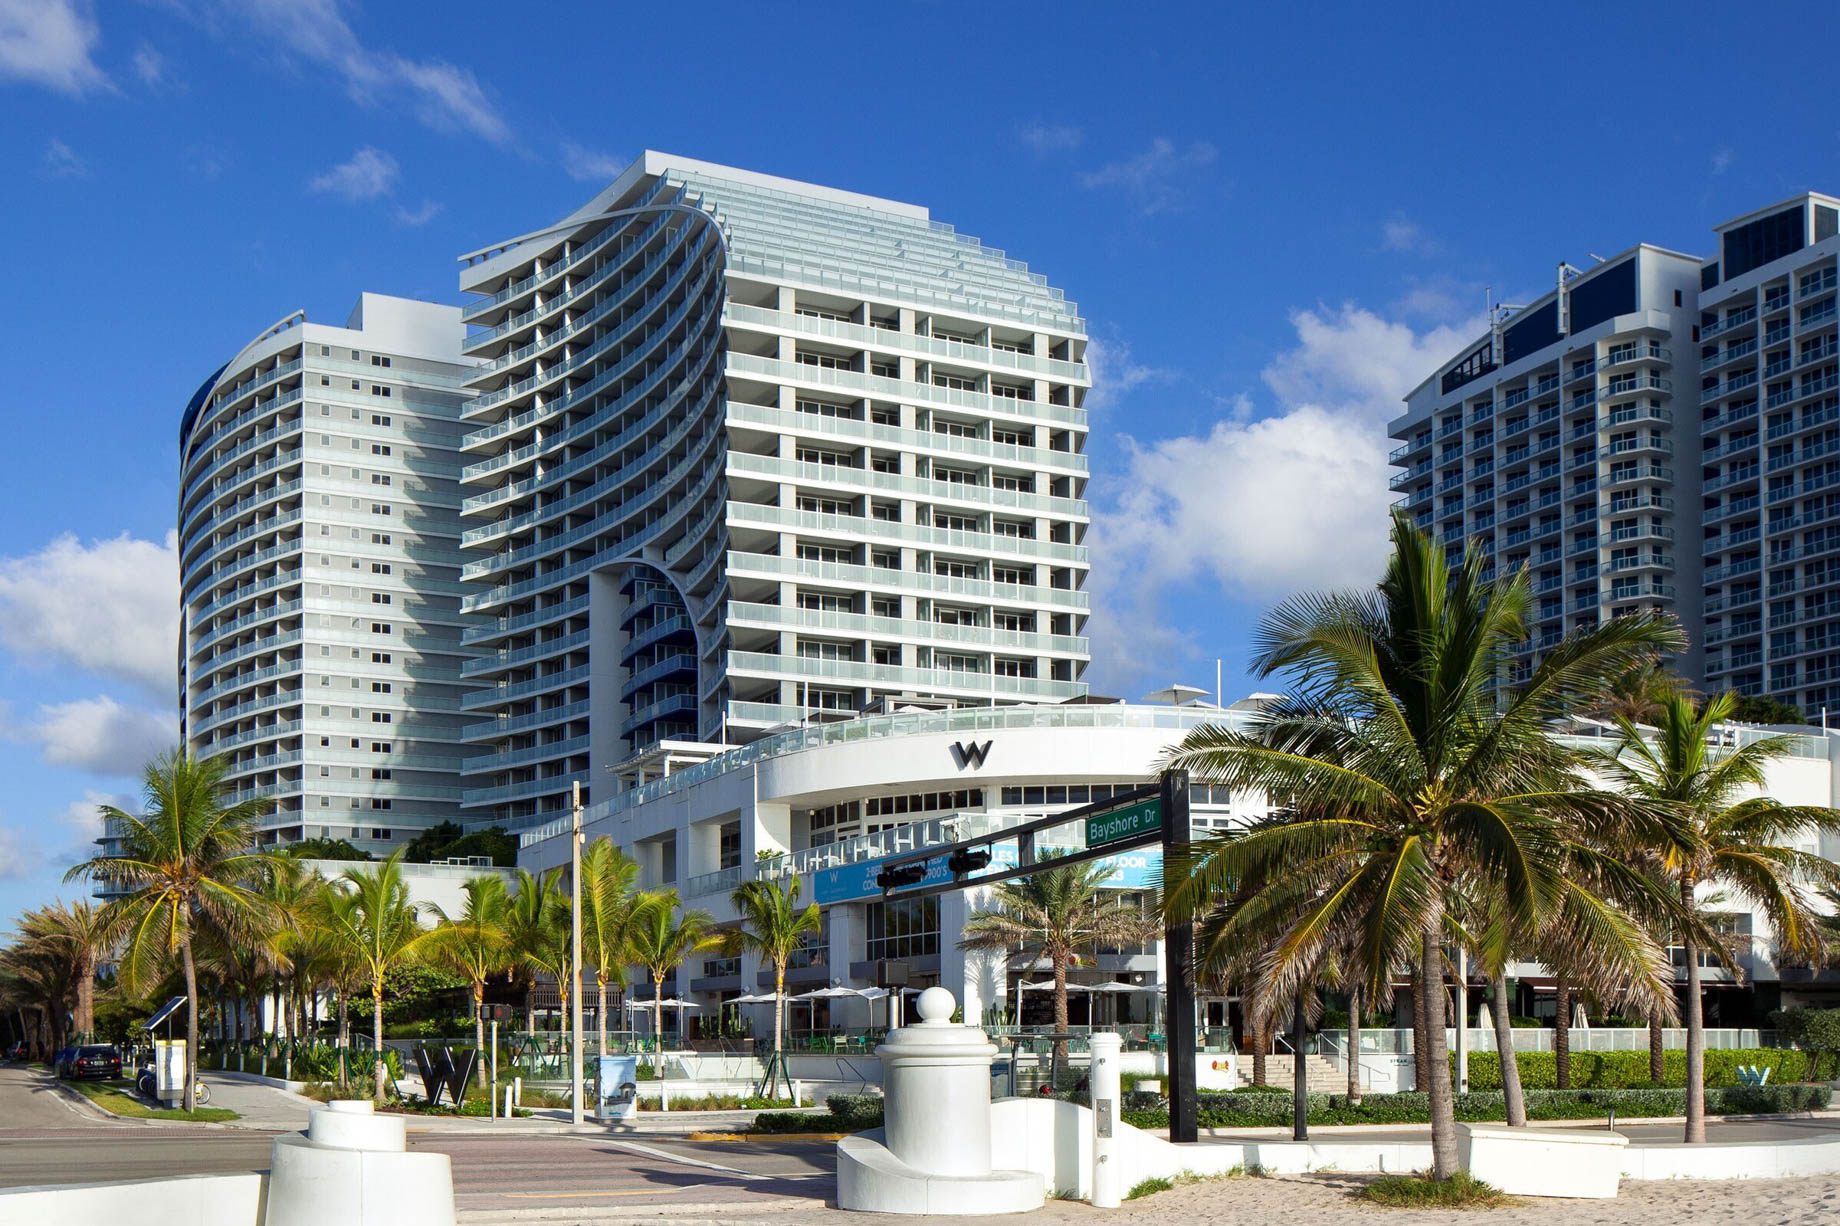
(1572, 1162)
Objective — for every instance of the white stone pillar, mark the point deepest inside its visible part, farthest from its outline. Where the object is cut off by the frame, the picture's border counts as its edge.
(1102, 1078)
(936, 1078)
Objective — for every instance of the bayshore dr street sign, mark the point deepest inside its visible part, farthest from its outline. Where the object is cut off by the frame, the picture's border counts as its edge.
(1156, 813)
(1141, 820)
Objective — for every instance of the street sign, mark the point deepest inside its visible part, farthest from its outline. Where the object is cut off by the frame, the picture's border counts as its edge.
(1133, 821)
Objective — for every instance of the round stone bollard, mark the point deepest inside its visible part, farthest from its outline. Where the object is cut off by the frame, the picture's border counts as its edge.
(936, 1078)
(353, 1168)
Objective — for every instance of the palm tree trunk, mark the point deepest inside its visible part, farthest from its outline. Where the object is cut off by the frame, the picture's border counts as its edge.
(1354, 1048)
(1696, 1033)
(1060, 1008)
(1504, 1049)
(600, 1015)
(1300, 1075)
(1421, 1068)
(1444, 1163)
(86, 996)
(1562, 1035)
(377, 1039)
(779, 1009)
(191, 1019)
(658, 1019)
(1656, 1072)
(1260, 1037)
(530, 1005)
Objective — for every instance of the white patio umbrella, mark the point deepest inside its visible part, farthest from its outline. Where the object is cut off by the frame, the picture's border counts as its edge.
(752, 998)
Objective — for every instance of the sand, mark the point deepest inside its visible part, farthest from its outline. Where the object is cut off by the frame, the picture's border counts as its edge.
(1325, 1200)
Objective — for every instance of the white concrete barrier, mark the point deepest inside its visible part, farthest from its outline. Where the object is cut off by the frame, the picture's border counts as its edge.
(1054, 1138)
(1572, 1162)
(1734, 1160)
(179, 1200)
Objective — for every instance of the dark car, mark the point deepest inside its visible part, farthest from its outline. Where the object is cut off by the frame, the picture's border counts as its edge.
(60, 1061)
(93, 1062)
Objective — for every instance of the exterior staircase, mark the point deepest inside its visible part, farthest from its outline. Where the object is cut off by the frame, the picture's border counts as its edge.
(1325, 1076)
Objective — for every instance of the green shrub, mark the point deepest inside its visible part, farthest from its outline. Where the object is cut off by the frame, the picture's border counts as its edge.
(859, 1112)
(1612, 1070)
(1244, 1110)
(1460, 1191)
(1149, 1186)
(1816, 1032)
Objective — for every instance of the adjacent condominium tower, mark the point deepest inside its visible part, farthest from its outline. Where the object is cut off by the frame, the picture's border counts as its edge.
(1661, 431)
(1557, 443)
(746, 452)
(319, 572)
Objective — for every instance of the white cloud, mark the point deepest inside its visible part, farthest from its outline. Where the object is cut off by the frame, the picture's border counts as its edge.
(419, 216)
(149, 65)
(444, 96)
(588, 165)
(48, 43)
(82, 819)
(369, 174)
(99, 735)
(110, 607)
(1050, 138)
(1721, 160)
(1401, 233)
(1115, 374)
(1259, 507)
(18, 859)
(63, 162)
(1155, 180)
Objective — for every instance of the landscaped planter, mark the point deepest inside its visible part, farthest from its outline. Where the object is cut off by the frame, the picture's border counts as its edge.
(1577, 1162)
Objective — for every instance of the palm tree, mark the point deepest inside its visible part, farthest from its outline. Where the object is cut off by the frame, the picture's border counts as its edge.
(1639, 691)
(544, 936)
(528, 923)
(773, 927)
(475, 944)
(663, 937)
(367, 911)
(187, 862)
(78, 935)
(609, 905)
(1712, 836)
(1406, 776)
(1055, 914)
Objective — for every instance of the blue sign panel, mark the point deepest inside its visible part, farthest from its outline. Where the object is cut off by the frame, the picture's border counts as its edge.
(1129, 870)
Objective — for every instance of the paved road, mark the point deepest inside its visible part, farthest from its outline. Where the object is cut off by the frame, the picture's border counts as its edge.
(46, 1138)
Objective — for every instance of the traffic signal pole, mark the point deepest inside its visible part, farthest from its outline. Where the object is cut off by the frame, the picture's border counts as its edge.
(1178, 964)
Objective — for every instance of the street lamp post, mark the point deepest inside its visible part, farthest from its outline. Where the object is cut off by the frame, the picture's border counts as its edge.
(575, 1042)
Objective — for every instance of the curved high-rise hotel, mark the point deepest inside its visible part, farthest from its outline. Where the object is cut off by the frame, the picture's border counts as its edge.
(746, 452)
(319, 572)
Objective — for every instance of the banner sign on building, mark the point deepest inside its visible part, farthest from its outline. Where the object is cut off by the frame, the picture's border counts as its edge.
(1126, 870)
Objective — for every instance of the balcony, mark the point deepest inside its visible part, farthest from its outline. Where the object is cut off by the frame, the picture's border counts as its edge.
(1734, 319)
(1730, 353)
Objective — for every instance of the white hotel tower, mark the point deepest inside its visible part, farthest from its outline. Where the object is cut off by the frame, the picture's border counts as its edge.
(747, 452)
(319, 572)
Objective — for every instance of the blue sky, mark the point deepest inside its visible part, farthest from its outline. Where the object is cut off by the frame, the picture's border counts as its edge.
(1275, 220)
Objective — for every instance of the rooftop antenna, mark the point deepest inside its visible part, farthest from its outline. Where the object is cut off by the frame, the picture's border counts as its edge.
(1564, 300)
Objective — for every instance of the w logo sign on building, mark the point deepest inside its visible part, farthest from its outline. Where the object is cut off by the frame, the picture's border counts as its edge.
(970, 753)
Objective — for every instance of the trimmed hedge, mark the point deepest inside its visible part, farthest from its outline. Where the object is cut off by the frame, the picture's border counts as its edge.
(1268, 1110)
(843, 1113)
(1628, 1070)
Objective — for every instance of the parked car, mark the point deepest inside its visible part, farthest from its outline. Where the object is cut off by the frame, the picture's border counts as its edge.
(93, 1062)
(60, 1061)
(17, 1052)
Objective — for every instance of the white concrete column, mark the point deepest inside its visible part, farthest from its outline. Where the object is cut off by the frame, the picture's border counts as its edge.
(936, 1077)
(1102, 1078)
